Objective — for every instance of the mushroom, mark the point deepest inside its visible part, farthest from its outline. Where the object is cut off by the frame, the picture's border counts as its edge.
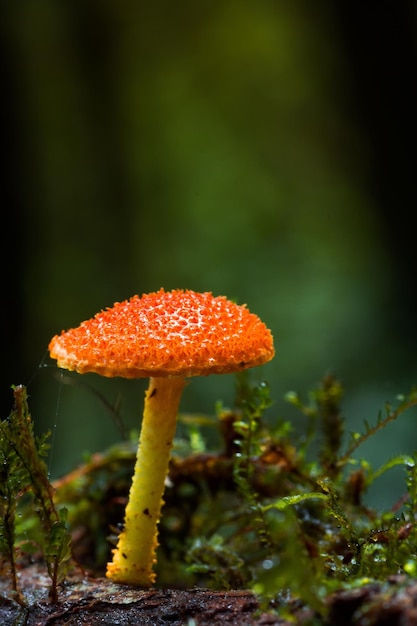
(166, 336)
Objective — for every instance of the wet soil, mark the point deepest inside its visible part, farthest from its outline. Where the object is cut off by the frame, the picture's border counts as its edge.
(87, 601)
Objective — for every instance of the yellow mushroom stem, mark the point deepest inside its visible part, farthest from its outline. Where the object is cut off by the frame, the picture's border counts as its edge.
(135, 554)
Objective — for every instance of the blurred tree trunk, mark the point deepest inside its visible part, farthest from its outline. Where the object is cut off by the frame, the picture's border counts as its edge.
(14, 236)
(381, 49)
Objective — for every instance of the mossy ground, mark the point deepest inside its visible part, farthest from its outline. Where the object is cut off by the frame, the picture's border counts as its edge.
(261, 513)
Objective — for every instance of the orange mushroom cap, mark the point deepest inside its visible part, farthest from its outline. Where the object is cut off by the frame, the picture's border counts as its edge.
(175, 333)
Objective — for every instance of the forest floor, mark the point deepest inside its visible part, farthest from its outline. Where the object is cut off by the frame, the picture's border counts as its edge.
(93, 602)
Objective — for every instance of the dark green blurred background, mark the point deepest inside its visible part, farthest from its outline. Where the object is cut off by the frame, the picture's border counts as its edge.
(261, 150)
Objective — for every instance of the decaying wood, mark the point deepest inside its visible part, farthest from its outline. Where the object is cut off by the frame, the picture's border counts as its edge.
(99, 601)
(93, 602)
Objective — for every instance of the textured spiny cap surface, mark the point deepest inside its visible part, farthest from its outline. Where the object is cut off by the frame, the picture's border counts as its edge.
(175, 333)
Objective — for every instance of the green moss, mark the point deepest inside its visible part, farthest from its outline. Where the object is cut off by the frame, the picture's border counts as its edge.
(275, 511)
(24, 473)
